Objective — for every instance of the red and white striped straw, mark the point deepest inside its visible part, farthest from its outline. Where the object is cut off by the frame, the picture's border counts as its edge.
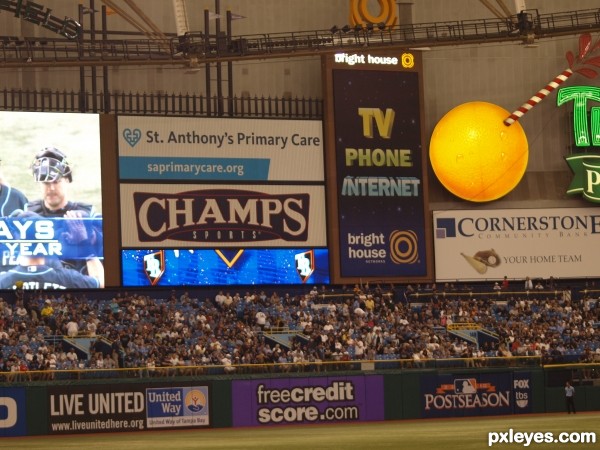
(538, 97)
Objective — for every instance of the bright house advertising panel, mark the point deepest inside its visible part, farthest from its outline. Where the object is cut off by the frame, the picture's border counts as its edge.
(379, 162)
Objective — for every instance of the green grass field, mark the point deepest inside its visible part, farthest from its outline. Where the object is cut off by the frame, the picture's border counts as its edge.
(445, 434)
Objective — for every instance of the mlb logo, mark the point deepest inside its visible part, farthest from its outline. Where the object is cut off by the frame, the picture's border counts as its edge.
(154, 266)
(465, 386)
(305, 264)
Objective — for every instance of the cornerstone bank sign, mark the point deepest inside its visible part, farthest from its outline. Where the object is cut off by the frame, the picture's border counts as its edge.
(490, 244)
(483, 394)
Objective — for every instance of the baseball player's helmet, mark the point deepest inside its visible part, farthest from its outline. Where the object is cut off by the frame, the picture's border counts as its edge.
(49, 165)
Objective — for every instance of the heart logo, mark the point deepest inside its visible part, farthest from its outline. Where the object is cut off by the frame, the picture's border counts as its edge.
(132, 136)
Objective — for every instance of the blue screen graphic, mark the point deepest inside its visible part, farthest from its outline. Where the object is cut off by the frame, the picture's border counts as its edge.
(193, 267)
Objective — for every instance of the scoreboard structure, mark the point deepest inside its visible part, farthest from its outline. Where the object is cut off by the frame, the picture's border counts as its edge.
(206, 201)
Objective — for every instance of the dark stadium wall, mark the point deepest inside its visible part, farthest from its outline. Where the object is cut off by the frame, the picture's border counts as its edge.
(113, 404)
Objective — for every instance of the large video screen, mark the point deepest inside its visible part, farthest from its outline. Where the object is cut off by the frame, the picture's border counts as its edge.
(221, 201)
(51, 233)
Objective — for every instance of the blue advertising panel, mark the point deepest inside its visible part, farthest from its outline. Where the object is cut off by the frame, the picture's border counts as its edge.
(380, 173)
(456, 395)
(123, 407)
(248, 266)
(183, 169)
(177, 407)
(13, 417)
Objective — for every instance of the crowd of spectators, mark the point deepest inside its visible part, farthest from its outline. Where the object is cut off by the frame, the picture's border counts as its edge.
(364, 323)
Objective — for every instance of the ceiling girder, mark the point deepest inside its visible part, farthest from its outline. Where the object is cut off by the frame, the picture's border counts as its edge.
(196, 49)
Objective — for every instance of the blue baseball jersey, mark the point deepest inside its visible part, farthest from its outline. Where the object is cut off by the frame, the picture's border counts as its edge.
(45, 277)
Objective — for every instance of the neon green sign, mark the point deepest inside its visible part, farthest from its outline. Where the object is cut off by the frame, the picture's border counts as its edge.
(580, 95)
(585, 166)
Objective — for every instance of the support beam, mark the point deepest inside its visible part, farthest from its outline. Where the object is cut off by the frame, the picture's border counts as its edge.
(492, 8)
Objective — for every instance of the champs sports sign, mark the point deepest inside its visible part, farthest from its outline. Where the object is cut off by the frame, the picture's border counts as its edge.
(247, 215)
(483, 394)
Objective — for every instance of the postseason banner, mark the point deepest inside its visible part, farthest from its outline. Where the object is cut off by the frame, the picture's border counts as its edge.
(457, 395)
(380, 173)
(250, 266)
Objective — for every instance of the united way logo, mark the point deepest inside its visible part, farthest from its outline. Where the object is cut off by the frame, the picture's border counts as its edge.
(196, 401)
(305, 264)
(154, 266)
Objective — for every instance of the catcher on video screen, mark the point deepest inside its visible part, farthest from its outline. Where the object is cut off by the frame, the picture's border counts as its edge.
(70, 231)
(51, 169)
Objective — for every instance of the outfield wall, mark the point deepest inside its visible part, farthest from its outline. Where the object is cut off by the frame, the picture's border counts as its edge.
(296, 398)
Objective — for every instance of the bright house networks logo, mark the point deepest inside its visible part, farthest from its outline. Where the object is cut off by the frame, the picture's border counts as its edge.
(445, 228)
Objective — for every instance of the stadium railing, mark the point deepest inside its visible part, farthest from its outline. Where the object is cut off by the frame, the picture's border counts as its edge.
(382, 362)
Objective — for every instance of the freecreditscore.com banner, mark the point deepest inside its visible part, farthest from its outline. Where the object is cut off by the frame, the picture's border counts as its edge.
(285, 401)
